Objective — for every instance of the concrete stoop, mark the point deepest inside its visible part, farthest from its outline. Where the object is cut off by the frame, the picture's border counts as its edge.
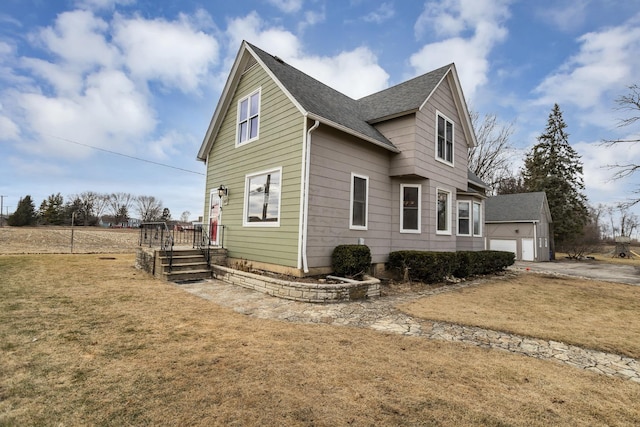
(188, 265)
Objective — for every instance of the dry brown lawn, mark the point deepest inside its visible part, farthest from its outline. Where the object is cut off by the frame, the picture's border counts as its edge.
(598, 315)
(89, 340)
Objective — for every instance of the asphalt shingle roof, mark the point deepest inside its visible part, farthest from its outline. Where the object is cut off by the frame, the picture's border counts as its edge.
(515, 207)
(403, 97)
(319, 99)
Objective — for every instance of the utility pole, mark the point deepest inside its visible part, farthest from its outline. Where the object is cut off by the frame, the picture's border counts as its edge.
(1, 218)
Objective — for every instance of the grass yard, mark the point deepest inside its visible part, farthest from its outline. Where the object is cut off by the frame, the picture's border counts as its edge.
(598, 315)
(89, 340)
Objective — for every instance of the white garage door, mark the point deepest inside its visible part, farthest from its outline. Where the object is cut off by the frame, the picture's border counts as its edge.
(504, 245)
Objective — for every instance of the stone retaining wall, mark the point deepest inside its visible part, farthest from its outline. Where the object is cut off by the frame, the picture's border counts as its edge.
(299, 291)
(145, 259)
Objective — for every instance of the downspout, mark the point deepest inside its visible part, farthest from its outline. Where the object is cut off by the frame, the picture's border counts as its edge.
(535, 240)
(305, 200)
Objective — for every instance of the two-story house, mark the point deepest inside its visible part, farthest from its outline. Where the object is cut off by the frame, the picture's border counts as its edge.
(295, 168)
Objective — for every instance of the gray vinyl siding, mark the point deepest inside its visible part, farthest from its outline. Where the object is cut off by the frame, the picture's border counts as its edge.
(334, 156)
(470, 243)
(279, 145)
(442, 101)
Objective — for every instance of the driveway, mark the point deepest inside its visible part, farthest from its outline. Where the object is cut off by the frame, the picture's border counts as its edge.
(589, 269)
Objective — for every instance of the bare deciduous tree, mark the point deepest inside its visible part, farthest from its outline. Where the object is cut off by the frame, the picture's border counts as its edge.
(149, 208)
(629, 103)
(491, 158)
(184, 217)
(119, 205)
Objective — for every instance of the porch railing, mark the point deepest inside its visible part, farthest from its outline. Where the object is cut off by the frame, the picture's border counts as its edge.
(157, 234)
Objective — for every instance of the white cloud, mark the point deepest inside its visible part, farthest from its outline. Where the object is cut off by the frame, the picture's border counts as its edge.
(565, 15)
(354, 73)
(311, 18)
(111, 113)
(470, 29)
(78, 38)
(287, 6)
(167, 145)
(607, 61)
(174, 53)
(8, 129)
(381, 14)
(596, 160)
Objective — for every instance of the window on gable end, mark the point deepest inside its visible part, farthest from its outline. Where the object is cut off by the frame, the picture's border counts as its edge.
(248, 118)
(444, 139)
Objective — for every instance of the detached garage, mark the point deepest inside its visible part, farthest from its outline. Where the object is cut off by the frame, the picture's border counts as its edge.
(519, 223)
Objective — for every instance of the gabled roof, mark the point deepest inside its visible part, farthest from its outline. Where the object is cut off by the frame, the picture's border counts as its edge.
(520, 207)
(403, 98)
(325, 104)
(319, 100)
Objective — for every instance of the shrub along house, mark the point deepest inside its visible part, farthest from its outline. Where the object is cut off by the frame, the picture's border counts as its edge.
(296, 168)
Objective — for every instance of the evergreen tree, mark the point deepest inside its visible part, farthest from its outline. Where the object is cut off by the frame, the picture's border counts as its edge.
(52, 210)
(25, 213)
(554, 167)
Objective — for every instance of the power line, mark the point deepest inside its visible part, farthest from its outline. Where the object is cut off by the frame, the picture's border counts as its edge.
(124, 155)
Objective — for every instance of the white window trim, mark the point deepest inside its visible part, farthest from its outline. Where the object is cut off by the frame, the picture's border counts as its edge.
(479, 221)
(448, 230)
(402, 229)
(366, 204)
(469, 218)
(248, 97)
(245, 209)
(453, 140)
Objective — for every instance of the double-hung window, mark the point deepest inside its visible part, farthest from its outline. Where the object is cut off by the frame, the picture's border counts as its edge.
(443, 213)
(248, 118)
(444, 139)
(262, 199)
(359, 202)
(410, 208)
(464, 218)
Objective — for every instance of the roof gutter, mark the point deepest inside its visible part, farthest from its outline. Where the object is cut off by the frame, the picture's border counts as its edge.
(352, 132)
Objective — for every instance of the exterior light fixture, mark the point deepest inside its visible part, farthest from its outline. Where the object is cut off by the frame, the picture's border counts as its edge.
(223, 193)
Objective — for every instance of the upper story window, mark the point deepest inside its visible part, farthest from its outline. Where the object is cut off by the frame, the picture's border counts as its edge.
(410, 208)
(262, 198)
(444, 139)
(248, 118)
(443, 214)
(359, 201)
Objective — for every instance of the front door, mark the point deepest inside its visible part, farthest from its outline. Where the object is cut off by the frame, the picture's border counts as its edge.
(215, 218)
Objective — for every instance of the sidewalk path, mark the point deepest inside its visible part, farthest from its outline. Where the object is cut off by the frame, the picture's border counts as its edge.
(380, 314)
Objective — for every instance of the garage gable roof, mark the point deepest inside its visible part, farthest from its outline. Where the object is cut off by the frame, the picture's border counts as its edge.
(520, 207)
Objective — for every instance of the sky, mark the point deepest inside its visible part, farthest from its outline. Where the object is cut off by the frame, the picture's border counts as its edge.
(142, 78)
